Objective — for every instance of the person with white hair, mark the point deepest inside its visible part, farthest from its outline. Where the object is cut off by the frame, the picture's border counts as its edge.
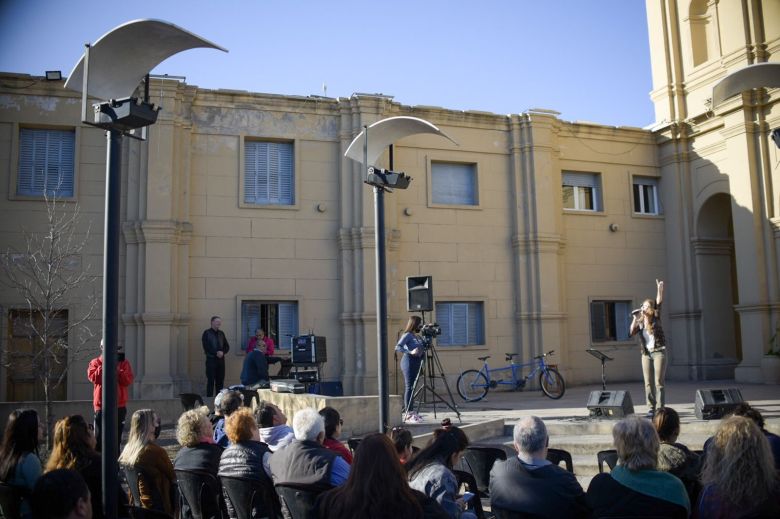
(635, 485)
(305, 461)
(529, 484)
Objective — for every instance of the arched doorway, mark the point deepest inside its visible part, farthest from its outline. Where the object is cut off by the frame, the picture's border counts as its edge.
(721, 348)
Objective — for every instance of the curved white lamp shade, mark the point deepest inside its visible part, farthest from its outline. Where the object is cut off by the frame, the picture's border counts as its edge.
(385, 132)
(759, 75)
(120, 59)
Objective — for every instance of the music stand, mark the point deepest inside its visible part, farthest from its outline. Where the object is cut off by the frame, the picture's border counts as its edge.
(603, 358)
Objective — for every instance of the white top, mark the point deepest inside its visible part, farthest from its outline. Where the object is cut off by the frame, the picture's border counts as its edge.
(649, 340)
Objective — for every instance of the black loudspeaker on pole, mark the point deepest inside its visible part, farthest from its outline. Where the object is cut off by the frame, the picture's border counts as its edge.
(419, 294)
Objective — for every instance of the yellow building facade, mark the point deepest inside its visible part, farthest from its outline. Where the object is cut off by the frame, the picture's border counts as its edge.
(539, 233)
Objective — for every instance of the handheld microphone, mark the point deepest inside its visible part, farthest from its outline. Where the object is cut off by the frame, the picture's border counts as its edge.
(637, 311)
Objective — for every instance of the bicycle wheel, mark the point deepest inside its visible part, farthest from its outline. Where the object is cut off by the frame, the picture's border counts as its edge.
(552, 383)
(472, 385)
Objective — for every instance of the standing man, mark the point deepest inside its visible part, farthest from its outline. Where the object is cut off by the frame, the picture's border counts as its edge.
(124, 376)
(215, 346)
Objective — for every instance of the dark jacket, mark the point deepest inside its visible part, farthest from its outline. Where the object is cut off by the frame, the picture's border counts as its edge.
(304, 463)
(255, 368)
(202, 457)
(214, 341)
(548, 491)
(608, 498)
(245, 460)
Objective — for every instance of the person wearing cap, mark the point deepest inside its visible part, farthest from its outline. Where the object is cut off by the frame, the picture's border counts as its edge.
(225, 403)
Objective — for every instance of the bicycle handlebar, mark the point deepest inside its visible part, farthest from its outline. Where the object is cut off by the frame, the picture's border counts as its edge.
(545, 354)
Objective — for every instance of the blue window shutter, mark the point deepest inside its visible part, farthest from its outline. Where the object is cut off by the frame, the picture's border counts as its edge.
(444, 319)
(475, 319)
(460, 323)
(453, 184)
(268, 173)
(46, 162)
(288, 323)
(250, 321)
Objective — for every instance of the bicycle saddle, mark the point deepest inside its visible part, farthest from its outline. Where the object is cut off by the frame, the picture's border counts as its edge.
(510, 356)
(486, 357)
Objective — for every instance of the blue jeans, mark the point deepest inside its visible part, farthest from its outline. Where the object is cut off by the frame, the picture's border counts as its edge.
(410, 367)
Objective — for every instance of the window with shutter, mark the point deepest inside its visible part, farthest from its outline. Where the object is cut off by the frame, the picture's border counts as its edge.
(46, 162)
(278, 319)
(454, 184)
(461, 323)
(610, 320)
(268, 173)
(646, 195)
(581, 191)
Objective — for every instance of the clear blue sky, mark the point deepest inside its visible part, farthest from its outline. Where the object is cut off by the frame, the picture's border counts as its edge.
(588, 60)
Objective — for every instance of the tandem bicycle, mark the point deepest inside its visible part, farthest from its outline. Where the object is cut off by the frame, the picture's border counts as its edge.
(474, 384)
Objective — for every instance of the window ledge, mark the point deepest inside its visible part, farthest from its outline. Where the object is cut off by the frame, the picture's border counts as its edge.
(468, 207)
(648, 216)
(282, 207)
(41, 198)
(586, 212)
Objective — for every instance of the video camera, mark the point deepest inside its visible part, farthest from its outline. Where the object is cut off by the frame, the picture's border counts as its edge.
(430, 330)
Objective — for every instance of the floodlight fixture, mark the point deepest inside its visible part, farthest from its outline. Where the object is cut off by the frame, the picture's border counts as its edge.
(758, 75)
(387, 179)
(367, 147)
(53, 75)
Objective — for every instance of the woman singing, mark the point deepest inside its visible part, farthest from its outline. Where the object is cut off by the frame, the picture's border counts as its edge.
(412, 347)
(647, 322)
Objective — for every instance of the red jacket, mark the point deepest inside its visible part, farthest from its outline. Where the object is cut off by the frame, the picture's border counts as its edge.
(124, 375)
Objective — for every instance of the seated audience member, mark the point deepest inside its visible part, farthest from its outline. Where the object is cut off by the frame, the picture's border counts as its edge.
(529, 484)
(333, 424)
(20, 466)
(74, 448)
(739, 477)
(198, 451)
(254, 373)
(274, 430)
(634, 486)
(402, 440)
(141, 452)
(196, 437)
(377, 488)
(305, 461)
(746, 410)
(246, 456)
(430, 471)
(61, 494)
(225, 403)
(675, 458)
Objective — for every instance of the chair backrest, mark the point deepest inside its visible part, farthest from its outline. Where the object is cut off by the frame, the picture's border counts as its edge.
(479, 461)
(249, 497)
(134, 475)
(557, 456)
(467, 480)
(297, 500)
(9, 501)
(353, 443)
(200, 491)
(609, 456)
(189, 400)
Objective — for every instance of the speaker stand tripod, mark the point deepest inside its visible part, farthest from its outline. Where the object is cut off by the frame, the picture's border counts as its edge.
(424, 390)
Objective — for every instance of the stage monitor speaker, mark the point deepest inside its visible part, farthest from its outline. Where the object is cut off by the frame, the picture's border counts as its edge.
(419, 290)
(309, 350)
(610, 404)
(712, 404)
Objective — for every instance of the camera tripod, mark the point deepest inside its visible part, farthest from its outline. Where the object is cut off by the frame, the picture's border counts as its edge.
(424, 390)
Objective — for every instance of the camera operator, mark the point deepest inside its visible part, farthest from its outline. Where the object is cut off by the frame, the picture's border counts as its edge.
(413, 348)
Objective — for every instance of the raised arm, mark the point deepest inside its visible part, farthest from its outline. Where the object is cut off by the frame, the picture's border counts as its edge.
(659, 296)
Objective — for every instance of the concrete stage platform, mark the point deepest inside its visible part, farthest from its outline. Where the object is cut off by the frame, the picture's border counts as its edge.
(490, 421)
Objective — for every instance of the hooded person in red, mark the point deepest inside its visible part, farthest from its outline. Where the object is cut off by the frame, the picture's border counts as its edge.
(124, 375)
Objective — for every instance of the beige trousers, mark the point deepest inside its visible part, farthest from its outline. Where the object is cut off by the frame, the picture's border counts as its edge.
(654, 371)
